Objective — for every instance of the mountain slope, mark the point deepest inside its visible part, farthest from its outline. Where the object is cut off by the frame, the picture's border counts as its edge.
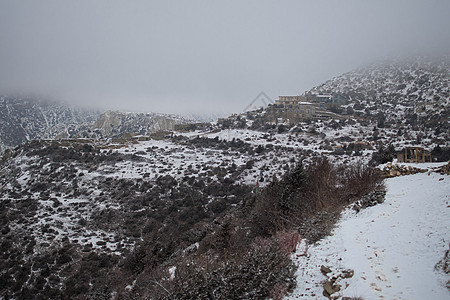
(24, 119)
(408, 93)
(89, 218)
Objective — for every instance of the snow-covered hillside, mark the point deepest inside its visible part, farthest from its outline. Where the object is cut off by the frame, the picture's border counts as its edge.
(388, 106)
(389, 251)
(407, 81)
(25, 119)
(411, 96)
(104, 204)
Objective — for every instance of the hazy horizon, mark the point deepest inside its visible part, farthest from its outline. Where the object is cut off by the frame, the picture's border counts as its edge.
(202, 56)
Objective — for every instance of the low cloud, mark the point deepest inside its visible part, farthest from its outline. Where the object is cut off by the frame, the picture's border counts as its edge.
(202, 56)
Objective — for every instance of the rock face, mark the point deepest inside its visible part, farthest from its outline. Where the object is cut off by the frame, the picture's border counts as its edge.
(107, 122)
(113, 123)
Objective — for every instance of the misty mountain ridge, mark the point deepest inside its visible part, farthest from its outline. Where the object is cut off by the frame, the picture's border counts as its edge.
(27, 119)
(394, 92)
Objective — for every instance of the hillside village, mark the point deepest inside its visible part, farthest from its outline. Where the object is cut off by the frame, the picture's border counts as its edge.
(387, 107)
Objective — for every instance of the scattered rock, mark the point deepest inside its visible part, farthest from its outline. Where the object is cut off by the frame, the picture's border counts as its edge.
(394, 170)
(325, 270)
(347, 273)
(329, 288)
(444, 264)
(444, 170)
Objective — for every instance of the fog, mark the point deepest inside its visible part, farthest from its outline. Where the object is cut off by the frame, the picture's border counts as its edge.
(202, 56)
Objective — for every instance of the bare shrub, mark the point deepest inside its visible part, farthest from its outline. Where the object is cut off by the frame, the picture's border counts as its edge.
(228, 236)
(322, 179)
(288, 240)
(311, 198)
(357, 181)
(297, 196)
(260, 271)
(281, 204)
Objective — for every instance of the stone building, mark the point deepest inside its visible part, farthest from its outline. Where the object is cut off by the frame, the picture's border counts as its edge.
(323, 101)
(291, 109)
(326, 101)
(414, 154)
(290, 100)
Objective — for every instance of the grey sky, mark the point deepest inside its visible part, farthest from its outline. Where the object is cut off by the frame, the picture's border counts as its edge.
(185, 56)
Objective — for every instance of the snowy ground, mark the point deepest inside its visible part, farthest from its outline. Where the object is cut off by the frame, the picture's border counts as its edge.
(392, 247)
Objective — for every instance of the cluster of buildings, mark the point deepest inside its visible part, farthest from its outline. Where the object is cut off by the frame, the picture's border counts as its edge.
(292, 109)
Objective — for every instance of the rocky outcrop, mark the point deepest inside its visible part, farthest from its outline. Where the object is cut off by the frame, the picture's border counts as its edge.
(394, 170)
(114, 123)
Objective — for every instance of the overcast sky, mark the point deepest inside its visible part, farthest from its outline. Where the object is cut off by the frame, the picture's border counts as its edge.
(187, 56)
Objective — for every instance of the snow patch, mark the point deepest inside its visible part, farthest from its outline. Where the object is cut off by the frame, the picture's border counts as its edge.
(392, 247)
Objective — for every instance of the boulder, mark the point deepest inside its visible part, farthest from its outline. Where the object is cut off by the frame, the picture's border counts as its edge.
(329, 288)
(347, 273)
(325, 270)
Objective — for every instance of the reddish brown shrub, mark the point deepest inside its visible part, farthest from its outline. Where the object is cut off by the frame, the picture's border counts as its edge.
(288, 240)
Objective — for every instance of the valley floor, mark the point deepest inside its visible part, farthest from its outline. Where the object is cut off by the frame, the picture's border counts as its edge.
(392, 248)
